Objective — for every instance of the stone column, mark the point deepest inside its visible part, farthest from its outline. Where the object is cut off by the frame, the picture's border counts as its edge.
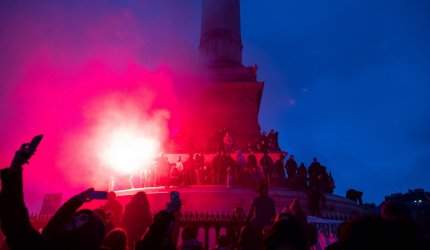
(220, 40)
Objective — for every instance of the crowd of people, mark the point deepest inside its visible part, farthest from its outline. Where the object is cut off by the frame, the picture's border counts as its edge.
(244, 170)
(222, 140)
(111, 227)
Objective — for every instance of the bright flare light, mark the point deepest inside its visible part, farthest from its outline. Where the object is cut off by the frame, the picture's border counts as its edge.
(129, 151)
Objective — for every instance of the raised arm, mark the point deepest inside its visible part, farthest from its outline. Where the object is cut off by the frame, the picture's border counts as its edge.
(65, 214)
(15, 221)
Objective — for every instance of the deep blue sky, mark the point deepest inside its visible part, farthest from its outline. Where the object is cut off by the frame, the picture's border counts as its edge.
(345, 81)
(358, 75)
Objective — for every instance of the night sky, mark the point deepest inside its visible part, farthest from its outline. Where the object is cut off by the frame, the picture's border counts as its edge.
(345, 81)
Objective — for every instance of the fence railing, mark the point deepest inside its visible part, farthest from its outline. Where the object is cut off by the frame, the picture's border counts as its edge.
(213, 223)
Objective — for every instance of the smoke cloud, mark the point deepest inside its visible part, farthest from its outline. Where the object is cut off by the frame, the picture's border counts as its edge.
(75, 71)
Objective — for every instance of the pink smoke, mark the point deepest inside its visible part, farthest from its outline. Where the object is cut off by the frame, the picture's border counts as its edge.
(74, 76)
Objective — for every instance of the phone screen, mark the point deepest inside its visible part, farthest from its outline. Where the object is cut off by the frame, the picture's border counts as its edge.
(98, 195)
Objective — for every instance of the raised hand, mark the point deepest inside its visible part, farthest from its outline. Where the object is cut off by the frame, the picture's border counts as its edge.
(85, 196)
(22, 156)
(26, 151)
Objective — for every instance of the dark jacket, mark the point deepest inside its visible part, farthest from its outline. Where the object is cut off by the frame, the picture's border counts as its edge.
(15, 221)
(262, 211)
(159, 233)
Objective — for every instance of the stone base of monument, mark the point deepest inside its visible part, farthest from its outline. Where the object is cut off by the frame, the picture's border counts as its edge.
(222, 199)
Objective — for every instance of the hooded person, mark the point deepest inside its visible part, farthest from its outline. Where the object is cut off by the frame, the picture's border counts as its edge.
(85, 230)
(295, 209)
(285, 233)
(137, 217)
(115, 240)
(162, 232)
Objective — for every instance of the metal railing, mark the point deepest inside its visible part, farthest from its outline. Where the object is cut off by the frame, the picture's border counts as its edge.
(326, 227)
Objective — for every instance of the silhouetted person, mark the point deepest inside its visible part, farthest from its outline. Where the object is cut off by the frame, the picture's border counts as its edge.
(67, 229)
(230, 178)
(163, 170)
(85, 230)
(262, 143)
(286, 233)
(159, 233)
(250, 238)
(179, 165)
(217, 165)
(137, 217)
(266, 163)
(324, 181)
(190, 170)
(237, 217)
(296, 210)
(228, 162)
(406, 232)
(115, 240)
(271, 140)
(189, 239)
(342, 234)
(368, 232)
(278, 170)
(240, 166)
(114, 207)
(291, 167)
(374, 232)
(227, 142)
(396, 211)
(302, 175)
(106, 219)
(262, 211)
(314, 171)
(162, 232)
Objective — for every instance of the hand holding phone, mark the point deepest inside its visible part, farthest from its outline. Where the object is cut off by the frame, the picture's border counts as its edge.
(26, 152)
(98, 195)
(90, 194)
(34, 143)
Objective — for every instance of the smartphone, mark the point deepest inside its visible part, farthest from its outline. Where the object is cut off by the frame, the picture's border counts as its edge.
(35, 142)
(98, 195)
(174, 196)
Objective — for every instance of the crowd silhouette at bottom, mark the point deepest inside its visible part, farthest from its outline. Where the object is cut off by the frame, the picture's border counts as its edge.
(74, 228)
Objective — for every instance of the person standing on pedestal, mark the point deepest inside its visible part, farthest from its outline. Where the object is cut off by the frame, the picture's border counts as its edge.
(266, 163)
(228, 142)
(263, 210)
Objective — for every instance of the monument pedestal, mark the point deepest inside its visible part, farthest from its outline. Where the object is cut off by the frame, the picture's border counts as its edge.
(233, 106)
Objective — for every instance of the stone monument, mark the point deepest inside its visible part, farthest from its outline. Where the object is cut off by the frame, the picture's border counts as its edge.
(231, 99)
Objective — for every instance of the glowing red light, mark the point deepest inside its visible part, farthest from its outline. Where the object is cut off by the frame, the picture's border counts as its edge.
(129, 150)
